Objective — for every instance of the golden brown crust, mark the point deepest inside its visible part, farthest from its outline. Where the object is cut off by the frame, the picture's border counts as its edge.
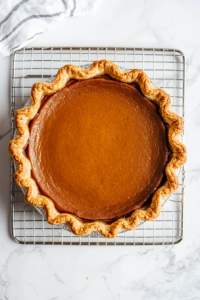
(23, 173)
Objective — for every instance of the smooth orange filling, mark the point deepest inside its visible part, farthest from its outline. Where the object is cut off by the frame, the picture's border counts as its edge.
(98, 149)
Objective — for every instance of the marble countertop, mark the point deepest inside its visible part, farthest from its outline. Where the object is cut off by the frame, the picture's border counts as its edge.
(122, 272)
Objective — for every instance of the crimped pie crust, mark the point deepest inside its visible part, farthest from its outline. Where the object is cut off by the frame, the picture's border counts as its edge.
(23, 173)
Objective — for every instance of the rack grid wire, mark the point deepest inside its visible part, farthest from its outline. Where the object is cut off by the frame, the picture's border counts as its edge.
(166, 69)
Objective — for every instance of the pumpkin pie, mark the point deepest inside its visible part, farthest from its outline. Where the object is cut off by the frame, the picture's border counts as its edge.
(98, 149)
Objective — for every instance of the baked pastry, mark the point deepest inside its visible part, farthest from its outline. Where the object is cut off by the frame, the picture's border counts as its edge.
(98, 149)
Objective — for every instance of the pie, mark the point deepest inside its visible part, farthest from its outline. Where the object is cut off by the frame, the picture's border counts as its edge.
(98, 149)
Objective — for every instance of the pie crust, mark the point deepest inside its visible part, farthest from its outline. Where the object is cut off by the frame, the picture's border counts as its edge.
(23, 174)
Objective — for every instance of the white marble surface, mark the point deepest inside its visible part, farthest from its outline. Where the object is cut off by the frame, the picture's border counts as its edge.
(151, 272)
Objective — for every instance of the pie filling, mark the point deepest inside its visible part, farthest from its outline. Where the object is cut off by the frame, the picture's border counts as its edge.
(98, 149)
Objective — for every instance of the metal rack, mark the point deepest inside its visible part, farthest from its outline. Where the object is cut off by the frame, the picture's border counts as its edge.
(166, 68)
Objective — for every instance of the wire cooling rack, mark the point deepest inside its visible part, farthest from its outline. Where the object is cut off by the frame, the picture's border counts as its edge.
(166, 68)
